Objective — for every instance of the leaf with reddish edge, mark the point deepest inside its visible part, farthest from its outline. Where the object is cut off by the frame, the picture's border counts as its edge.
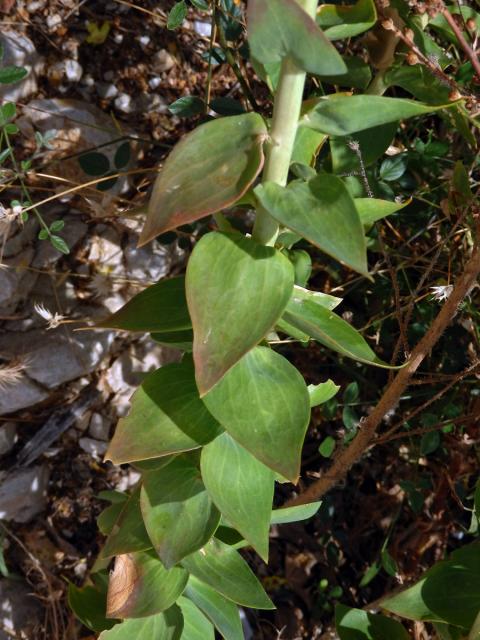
(208, 170)
(236, 291)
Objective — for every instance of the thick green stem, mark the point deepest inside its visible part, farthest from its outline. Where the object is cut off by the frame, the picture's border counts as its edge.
(286, 113)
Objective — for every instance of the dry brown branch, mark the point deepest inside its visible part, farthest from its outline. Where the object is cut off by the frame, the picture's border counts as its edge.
(344, 460)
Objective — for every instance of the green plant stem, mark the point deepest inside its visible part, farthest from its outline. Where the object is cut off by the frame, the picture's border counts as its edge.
(286, 113)
(24, 187)
(377, 87)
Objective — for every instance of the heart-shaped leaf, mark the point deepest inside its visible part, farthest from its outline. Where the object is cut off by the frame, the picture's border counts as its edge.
(223, 613)
(241, 487)
(167, 625)
(323, 212)
(167, 416)
(160, 308)
(178, 512)
(224, 569)
(140, 586)
(280, 28)
(208, 170)
(342, 115)
(236, 291)
(263, 403)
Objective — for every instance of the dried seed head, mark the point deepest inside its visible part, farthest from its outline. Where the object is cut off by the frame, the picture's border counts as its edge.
(454, 95)
(411, 58)
(408, 33)
(471, 24)
(388, 24)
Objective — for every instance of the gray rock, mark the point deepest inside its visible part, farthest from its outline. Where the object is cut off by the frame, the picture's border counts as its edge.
(20, 612)
(54, 358)
(8, 437)
(99, 427)
(95, 448)
(20, 395)
(106, 90)
(123, 102)
(162, 61)
(23, 493)
(147, 263)
(20, 51)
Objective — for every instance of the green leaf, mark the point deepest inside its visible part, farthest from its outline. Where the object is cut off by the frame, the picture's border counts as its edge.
(372, 209)
(122, 155)
(43, 234)
(393, 168)
(89, 605)
(11, 128)
(307, 144)
(162, 307)
(94, 163)
(166, 417)
(12, 74)
(4, 155)
(242, 489)
(351, 393)
(164, 626)
(201, 4)
(461, 183)
(208, 170)
(333, 332)
(178, 512)
(448, 592)
(224, 569)
(370, 574)
(223, 613)
(177, 15)
(59, 244)
(371, 143)
(294, 514)
(358, 74)
(128, 533)
(420, 82)
(346, 21)
(430, 443)
(57, 225)
(226, 106)
(320, 393)
(263, 403)
(356, 624)
(109, 516)
(195, 625)
(388, 563)
(187, 107)
(182, 340)
(280, 28)
(236, 291)
(140, 586)
(323, 212)
(302, 264)
(342, 115)
(9, 111)
(327, 447)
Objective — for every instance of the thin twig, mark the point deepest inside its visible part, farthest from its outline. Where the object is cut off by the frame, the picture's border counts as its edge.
(349, 456)
(472, 56)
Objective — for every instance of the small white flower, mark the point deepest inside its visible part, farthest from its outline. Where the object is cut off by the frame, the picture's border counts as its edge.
(53, 320)
(442, 292)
